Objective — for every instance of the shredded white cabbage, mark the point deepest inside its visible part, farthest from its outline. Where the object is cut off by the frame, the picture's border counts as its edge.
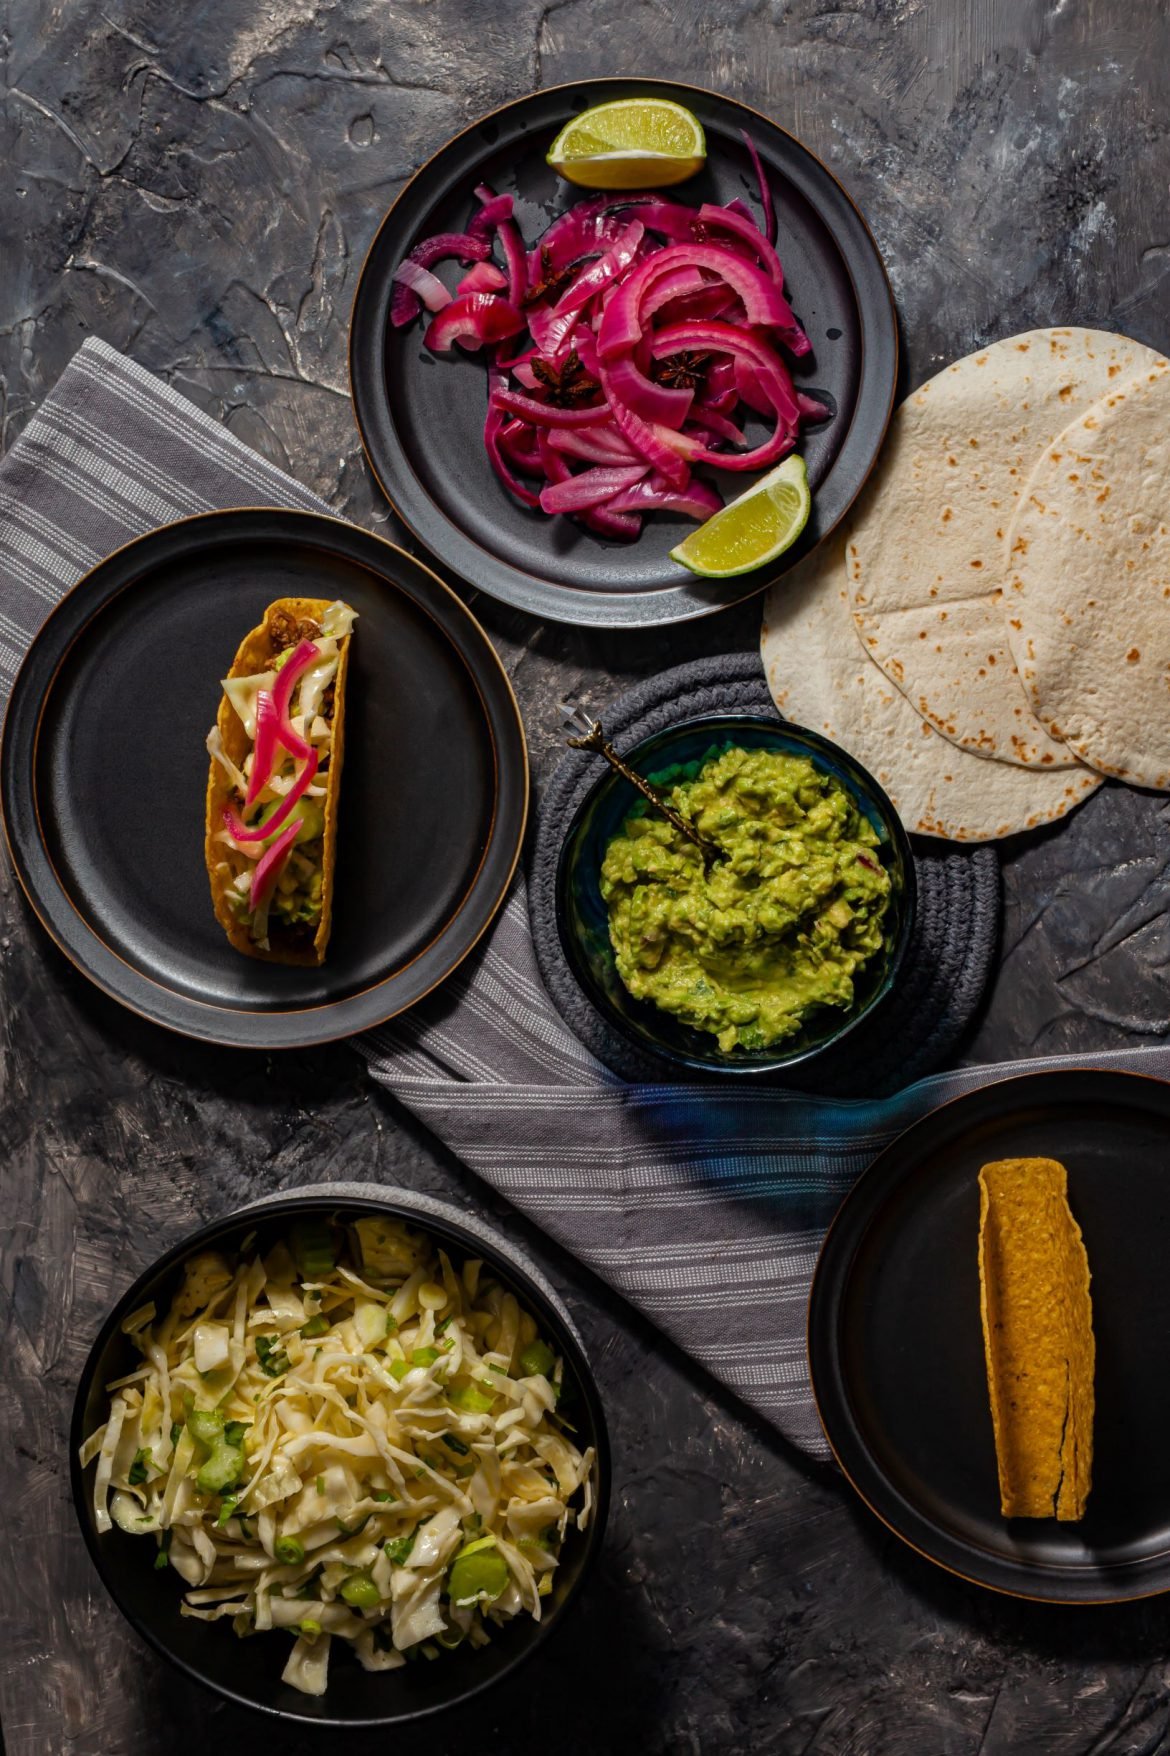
(338, 620)
(346, 1439)
(242, 693)
(315, 681)
(217, 752)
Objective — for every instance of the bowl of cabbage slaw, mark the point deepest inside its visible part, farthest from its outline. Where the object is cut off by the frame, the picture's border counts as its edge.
(341, 1457)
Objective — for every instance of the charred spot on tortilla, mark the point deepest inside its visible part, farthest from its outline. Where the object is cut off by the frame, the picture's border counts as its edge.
(1038, 1338)
(271, 836)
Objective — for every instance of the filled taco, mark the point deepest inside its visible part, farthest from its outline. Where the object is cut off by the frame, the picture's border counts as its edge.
(276, 750)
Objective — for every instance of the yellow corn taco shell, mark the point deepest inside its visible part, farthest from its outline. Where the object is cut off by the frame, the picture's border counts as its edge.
(257, 653)
(1037, 1337)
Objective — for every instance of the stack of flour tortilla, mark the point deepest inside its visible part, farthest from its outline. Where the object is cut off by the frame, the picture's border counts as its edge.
(990, 634)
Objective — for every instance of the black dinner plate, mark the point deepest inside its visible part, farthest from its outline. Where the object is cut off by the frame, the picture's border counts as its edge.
(421, 417)
(103, 777)
(896, 1341)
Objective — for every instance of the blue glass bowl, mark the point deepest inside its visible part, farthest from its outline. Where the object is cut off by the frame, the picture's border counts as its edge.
(676, 754)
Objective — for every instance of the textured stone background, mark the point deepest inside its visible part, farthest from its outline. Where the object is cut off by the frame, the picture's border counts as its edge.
(198, 184)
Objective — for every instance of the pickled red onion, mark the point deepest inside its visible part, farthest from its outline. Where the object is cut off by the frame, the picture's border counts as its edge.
(646, 331)
(289, 675)
(270, 865)
(428, 286)
(240, 831)
(473, 319)
(404, 301)
(273, 726)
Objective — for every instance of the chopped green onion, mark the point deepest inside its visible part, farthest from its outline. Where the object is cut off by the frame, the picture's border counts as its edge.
(398, 1370)
(272, 1357)
(320, 1484)
(456, 1445)
(538, 1360)
(383, 1494)
(234, 1432)
(313, 1248)
(309, 1628)
(164, 1552)
(360, 1592)
(353, 1529)
(318, 1325)
(478, 1574)
(399, 1548)
(205, 1425)
(474, 1547)
(176, 1432)
(227, 1509)
(289, 1551)
(471, 1399)
(223, 1468)
(138, 1469)
(424, 1356)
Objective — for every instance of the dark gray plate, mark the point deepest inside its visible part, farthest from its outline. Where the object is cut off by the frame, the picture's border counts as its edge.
(896, 1339)
(103, 777)
(421, 418)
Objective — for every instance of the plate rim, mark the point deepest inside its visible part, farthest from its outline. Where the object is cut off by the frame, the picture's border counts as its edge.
(207, 1011)
(825, 1343)
(585, 608)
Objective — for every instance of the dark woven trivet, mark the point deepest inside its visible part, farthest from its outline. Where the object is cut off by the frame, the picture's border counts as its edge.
(948, 962)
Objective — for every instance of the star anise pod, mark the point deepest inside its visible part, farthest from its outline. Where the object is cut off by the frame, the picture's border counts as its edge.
(567, 385)
(552, 280)
(681, 371)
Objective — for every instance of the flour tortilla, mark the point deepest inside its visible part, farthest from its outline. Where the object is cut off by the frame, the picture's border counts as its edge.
(1087, 604)
(930, 558)
(821, 677)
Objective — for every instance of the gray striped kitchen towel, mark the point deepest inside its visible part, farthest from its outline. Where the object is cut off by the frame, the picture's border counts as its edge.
(704, 1207)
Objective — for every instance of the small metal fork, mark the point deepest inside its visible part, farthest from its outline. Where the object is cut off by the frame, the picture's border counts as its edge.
(590, 736)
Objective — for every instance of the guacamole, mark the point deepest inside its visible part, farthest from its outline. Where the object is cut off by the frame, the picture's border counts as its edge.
(747, 947)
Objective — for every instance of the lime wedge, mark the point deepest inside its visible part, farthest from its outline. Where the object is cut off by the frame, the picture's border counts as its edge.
(753, 530)
(634, 143)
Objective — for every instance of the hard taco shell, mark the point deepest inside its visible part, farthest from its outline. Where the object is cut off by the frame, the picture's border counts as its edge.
(1038, 1338)
(257, 653)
